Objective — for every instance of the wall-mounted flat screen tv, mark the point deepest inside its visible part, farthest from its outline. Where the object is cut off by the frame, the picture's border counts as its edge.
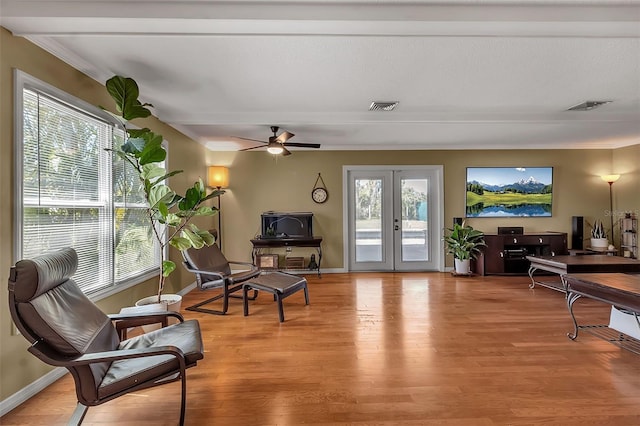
(509, 191)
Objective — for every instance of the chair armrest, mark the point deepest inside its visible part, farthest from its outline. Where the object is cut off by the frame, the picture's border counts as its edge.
(156, 316)
(251, 265)
(217, 275)
(124, 321)
(43, 351)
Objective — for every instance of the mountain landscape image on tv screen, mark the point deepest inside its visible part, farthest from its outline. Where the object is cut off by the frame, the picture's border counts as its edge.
(509, 191)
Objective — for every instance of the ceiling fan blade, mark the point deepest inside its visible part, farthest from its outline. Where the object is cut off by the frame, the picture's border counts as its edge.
(285, 151)
(284, 136)
(248, 139)
(302, 145)
(253, 147)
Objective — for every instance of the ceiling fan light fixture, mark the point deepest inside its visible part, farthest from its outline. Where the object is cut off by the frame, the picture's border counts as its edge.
(275, 148)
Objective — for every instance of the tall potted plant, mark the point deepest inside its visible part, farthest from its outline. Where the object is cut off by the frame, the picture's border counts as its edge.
(463, 242)
(169, 213)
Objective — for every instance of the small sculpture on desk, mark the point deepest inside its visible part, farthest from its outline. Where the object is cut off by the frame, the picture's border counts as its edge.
(312, 262)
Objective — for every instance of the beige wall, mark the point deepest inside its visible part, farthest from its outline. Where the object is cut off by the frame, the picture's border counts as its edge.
(259, 183)
(626, 191)
(18, 368)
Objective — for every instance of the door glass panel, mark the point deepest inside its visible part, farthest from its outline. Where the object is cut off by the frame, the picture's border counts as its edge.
(368, 220)
(414, 220)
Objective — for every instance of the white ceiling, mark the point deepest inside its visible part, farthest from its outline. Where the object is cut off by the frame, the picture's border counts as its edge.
(468, 74)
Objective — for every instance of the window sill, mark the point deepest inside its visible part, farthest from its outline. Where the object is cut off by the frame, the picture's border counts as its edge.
(104, 293)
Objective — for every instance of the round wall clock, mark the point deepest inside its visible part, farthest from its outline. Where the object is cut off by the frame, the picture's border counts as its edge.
(319, 193)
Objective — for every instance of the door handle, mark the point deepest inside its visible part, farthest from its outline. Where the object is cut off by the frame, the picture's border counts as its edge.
(396, 228)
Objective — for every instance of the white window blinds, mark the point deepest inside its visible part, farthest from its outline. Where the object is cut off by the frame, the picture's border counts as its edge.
(76, 194)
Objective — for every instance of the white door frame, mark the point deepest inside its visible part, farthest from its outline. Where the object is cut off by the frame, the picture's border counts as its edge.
(438, 220)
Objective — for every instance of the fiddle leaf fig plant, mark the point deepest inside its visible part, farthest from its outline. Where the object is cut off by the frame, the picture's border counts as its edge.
(169, 213)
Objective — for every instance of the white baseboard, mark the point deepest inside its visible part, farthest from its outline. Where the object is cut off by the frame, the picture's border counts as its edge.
(188, 288)
(30, 390)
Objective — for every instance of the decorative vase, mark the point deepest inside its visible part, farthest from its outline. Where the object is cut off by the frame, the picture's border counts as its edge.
(463, 266)
(599, 244)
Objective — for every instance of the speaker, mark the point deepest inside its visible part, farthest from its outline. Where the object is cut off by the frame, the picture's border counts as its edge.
(457, 220)
(510, 230)
(577, 232)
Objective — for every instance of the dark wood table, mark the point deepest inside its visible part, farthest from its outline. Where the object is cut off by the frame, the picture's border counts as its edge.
(260, 244)
(620, 290)
(562, 265)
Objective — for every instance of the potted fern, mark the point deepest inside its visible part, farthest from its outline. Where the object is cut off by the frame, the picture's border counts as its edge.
(463, 242)
(169, 213)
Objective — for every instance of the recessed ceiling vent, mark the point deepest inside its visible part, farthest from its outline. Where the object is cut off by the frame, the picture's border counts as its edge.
(588, 105)
(382, 106)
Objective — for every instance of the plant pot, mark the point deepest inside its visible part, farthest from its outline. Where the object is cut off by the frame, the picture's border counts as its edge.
(463, 266)
(168, 302)
(599, 244)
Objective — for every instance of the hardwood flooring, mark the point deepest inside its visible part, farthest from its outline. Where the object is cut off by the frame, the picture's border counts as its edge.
(387, 349)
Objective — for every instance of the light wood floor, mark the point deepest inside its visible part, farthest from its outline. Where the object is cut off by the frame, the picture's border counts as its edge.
(387, 349)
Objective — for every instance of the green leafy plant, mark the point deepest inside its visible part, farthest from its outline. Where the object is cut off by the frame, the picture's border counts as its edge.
(463, 241)
(169, 213)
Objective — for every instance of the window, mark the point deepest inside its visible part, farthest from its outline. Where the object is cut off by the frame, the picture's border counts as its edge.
(74, 193)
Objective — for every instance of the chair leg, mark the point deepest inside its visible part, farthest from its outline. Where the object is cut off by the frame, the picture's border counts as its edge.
(184, 397)
(306, 295)
(227, 292)
(225, 299)
(245, 301)
(78, 414)
(278, 297)
(197, 306)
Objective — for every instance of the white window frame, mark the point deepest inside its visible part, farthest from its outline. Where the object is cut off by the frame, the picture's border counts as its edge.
(24, 81)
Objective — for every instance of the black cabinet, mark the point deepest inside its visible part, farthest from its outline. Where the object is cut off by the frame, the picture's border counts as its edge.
(506, 254)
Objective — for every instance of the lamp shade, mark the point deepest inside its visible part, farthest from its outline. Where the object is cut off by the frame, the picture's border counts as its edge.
(610, 178)
(218, 176)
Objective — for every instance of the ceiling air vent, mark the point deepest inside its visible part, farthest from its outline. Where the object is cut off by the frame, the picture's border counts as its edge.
(588, 105)
(382, 106)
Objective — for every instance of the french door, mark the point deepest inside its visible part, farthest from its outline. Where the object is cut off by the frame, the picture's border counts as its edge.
(394, 218)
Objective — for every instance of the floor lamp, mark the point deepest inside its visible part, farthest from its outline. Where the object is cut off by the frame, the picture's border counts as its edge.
(218, 177)
(610, 179)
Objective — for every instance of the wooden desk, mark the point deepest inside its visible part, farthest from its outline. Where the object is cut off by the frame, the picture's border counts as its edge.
(621, 290)
(260, 244)
(561, 265)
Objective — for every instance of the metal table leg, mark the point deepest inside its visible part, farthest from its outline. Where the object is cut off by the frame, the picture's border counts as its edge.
(571, 299)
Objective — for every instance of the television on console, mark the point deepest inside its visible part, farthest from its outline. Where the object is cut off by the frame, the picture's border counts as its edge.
(509, 191)
(287, 225)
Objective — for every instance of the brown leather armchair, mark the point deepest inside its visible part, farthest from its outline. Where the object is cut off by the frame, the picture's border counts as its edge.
(213, 271)
(67, 330)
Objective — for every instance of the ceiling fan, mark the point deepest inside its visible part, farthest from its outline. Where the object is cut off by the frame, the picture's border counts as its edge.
(277, 143)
